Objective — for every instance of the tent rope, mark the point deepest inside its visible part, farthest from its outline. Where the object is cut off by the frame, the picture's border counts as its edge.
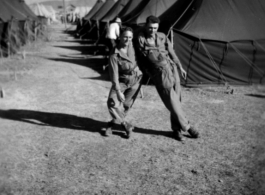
(213, 62)
(251, 64)
(259, 45)
(179, 18)
(14, 8)
(90, 30)
(132, 17)
(190, 60)
(225, 50)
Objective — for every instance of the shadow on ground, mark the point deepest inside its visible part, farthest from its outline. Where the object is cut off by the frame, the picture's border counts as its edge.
(87, 49)
(80, 41)
(73, 122)
(96, 64)
(256, 95)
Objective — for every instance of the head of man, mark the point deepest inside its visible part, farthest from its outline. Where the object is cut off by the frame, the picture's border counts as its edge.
(117, 20)
(126, 36)
(151, 25)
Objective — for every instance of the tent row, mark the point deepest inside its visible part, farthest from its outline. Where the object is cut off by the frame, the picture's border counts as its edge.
(44, 11)
(18, 26)
(218, 42)
(78, 12)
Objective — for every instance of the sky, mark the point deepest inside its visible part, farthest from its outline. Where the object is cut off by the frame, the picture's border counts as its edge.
(39, 1)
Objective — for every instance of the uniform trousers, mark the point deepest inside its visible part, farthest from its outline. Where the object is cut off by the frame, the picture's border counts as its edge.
(117, 109)
(171, 98)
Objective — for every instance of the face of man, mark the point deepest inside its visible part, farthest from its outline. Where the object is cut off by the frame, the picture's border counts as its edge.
(126, 38)
(151, 28)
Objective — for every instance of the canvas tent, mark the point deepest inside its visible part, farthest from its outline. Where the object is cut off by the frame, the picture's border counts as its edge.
(167, 10)
(52, 12)
(84, 25)
(130, 6)
(25, 8)
(15, 9)
(115, 10)
(94, 9)
(97, 27)
(16, 25)
(132, 10)
(222, 41)
(81, 11)
(103, 10)
(40, 10)
(218, 42)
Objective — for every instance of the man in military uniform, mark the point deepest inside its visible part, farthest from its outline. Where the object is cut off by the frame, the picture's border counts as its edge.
(160, 62)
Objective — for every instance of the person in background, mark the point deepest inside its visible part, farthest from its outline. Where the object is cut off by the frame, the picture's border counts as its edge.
(125, 76)
(113, 33)
(160, 62)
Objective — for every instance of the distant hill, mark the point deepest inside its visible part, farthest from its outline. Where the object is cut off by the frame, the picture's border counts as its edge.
(58, 5)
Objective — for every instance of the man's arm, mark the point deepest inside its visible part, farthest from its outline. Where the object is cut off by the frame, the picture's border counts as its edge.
(175, 58)
(172, 53)
(114, 77)
(141, 54)
(114, 72)
(140, 44)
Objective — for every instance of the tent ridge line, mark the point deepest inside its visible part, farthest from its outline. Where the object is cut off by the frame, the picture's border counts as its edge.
(215, 40)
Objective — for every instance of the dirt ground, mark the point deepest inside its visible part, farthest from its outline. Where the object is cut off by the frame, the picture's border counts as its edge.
(54, 108)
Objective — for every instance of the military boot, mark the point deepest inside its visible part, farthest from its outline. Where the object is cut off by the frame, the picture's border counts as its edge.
(108, 131)
(128, 128)
(193, 132)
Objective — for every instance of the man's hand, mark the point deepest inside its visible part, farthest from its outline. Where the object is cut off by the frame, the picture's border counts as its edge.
(120, 96)
(183, 73)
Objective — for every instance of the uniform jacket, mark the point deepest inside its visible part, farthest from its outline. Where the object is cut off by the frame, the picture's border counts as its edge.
(159, 59)
(123, 68)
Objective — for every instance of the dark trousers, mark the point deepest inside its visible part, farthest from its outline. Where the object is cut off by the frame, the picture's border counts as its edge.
(111, 43)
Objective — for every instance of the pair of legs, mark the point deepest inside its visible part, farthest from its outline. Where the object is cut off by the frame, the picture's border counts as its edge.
(171, 98)
(118, 110)
(111, 43)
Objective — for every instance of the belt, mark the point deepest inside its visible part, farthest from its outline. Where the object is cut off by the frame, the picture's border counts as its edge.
(129, 72)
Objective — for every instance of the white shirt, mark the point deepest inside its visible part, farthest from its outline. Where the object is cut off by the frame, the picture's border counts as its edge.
(114, 31)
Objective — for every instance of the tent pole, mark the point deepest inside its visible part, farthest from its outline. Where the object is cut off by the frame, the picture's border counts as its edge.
(179, 17)
(172, 42)
(65, 19)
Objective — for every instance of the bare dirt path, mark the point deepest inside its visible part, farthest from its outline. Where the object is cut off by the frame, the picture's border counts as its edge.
(50, 141)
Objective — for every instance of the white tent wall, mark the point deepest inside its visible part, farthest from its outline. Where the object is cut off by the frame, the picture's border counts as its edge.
(40, 10)
(52, 12)
(80, 12)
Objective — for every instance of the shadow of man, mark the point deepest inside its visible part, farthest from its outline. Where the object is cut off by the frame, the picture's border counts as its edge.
(68, 121)
(53, 119)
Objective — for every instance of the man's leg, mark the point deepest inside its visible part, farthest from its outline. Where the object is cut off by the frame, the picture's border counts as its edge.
(115, 107)
(116, 110)
(172, 102)
(192, 131)
(171, 98)
(130, 95)
(177, 117)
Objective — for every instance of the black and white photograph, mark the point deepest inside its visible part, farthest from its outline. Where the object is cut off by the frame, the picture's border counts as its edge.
(132, 97)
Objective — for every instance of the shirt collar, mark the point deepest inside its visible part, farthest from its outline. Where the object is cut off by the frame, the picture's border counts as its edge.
(121, 54)
(151, 36)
